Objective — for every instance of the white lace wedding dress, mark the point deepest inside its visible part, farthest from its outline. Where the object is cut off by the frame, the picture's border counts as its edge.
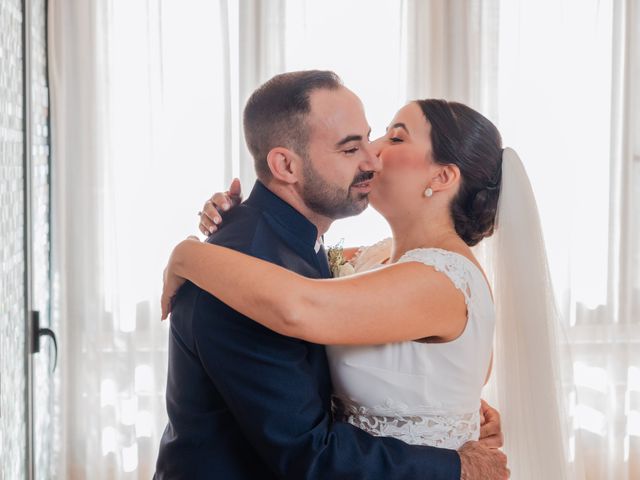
(421, 393)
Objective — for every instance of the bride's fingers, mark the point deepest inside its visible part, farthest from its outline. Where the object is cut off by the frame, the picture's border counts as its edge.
(491, 434)
(222, 201)
(209, 218)
(206, 227)
(489, 427)
(165, 298)
(235, 191)
(164, 307)
(494, 441)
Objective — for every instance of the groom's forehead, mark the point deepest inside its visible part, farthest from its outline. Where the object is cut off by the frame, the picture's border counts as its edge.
(336, 114)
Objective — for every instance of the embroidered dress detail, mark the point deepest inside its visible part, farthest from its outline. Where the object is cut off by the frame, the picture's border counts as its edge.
(445, 430)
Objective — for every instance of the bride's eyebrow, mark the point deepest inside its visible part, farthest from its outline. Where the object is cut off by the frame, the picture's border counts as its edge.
(399, 125)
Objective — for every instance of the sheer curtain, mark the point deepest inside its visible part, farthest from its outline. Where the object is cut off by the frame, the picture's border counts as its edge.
(561, 80)
(606, 334)
(360, 40)
(137, 143)
(451, 51)
(146, 123)
(568, 102)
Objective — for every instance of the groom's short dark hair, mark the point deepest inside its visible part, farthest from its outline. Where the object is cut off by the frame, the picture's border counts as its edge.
(275, 114)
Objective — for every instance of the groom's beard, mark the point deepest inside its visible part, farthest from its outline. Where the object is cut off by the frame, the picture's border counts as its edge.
(333, 201)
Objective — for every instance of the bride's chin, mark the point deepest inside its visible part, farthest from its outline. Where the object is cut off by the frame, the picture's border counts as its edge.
(377, 203)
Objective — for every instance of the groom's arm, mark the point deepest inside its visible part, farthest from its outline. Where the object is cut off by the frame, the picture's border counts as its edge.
(267, 382)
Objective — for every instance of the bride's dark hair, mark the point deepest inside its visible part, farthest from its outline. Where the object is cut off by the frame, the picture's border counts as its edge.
(463, 137)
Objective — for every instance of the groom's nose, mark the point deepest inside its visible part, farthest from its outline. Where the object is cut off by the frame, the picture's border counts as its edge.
(373, 161)
(376, 146)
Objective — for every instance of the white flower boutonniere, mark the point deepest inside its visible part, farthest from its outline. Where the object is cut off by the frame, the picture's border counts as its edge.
(340, 267)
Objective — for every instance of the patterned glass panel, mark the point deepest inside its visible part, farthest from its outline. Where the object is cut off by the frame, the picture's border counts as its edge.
(12, 334)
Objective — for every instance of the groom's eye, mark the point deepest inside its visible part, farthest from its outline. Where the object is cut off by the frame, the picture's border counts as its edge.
(351, 151)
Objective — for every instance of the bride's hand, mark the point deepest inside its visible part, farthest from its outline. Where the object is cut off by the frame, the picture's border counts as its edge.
(171, 284)
(210, 218)
(490, 426)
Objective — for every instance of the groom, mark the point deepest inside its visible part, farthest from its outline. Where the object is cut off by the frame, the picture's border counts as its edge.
(245, 402)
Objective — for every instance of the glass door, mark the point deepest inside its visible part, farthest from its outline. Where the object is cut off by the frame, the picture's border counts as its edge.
(13, 335)
(27, 353)
(43, 343)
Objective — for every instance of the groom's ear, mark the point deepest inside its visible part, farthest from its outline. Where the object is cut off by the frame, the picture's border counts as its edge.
(285, 165)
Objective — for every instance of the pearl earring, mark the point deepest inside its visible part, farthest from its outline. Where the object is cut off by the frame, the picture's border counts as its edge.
(428, 192)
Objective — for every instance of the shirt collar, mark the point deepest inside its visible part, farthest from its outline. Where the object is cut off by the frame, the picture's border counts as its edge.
(288, 217)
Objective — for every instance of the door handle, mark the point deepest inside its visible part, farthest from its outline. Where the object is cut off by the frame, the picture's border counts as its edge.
(38, 332)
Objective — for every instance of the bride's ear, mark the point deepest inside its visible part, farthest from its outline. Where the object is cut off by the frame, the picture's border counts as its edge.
(448, 177)
(285, 165)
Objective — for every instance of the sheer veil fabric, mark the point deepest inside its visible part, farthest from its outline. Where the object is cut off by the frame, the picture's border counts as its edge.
(525, 383)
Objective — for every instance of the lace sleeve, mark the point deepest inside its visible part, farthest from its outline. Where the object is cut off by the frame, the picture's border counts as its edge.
(453, 265)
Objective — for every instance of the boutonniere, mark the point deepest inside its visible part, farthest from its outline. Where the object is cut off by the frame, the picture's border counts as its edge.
(339, 266)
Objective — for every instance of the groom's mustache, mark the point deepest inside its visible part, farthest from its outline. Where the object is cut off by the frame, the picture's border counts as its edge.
(362, 177)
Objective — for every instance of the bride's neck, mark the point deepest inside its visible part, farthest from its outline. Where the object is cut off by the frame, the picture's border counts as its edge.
(427, 232)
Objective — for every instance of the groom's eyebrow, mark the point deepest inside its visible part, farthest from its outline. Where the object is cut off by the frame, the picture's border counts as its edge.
(352, 138)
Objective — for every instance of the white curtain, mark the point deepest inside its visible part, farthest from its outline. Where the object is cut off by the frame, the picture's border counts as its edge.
(261, 33)
(361, 40)
(451, 51)
(137, 143)
(561, 81)
(253, 33)
(605, 335)
(568, 102)
(146, 122)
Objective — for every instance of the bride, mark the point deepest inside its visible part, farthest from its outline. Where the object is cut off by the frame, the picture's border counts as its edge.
(410, 333)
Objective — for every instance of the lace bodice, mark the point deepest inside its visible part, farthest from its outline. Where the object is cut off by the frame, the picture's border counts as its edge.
(421, 393)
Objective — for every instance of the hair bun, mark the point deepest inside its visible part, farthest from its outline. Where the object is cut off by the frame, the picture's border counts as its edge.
(463, 137)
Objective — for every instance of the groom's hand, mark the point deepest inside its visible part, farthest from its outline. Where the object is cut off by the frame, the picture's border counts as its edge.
(490, 427)
(482, 463)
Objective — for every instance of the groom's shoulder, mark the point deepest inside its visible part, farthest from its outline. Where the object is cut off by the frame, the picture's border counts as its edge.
(239, 231)
(243, 229)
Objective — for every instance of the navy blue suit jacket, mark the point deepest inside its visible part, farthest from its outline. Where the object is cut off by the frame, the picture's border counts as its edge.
(247, 403)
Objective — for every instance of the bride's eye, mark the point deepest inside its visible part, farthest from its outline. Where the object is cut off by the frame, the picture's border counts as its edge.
(395, 140)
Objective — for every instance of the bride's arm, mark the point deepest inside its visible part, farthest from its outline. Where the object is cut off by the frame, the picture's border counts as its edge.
(407, 301)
